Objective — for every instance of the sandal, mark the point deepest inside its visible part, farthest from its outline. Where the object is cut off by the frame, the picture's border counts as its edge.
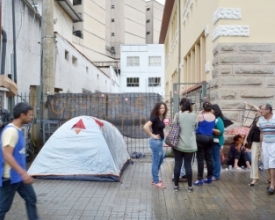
(153, 182)
(159, 185)
(254, 184)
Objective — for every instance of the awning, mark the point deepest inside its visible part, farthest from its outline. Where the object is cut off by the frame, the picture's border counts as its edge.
(67, 6)
(8, 84)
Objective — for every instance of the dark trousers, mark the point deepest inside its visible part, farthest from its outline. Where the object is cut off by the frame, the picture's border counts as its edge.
(187, 164)
(204, 152)
(7, 192)
(239, 155)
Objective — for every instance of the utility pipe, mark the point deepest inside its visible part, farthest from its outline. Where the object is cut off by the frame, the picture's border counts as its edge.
(4, 45)
(14, 42)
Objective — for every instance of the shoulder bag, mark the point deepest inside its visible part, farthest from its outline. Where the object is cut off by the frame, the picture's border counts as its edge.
(172, 138)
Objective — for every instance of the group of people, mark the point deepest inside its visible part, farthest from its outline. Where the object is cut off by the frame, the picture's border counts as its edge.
(202, 135)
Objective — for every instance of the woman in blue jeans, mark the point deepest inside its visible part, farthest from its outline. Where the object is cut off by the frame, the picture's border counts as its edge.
(154, 128)
(218, 141)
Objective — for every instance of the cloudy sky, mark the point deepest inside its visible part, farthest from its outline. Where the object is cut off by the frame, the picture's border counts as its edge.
(161, 1)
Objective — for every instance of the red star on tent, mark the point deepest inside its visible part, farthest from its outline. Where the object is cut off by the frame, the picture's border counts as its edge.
(100, 124)
(79, 126)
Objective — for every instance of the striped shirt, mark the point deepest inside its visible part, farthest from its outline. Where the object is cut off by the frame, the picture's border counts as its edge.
(267, 127)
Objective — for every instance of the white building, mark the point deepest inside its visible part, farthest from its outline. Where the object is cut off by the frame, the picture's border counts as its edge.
(74, 72)
(142, 68)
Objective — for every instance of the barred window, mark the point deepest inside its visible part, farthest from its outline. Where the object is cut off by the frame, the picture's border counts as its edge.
(155, 61)
(154, 81)
(132, 61)
(132, 82)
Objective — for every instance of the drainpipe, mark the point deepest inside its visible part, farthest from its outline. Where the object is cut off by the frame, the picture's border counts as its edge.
(4, 44)
(14, 42)
(177, 85)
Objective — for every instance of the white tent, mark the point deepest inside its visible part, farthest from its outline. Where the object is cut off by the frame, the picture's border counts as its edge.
(84, 148)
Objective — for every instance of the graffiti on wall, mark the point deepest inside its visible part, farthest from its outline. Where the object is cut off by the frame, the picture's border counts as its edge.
(127, 111)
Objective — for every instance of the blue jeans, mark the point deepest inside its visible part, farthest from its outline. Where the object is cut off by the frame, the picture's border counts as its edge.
(26, 191)
(157, 157)
(216, 160)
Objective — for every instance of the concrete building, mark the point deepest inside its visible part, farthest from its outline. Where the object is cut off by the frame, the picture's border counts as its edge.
(74, 72)
(142, 68)
(28, 36)
(154, 13)
(110, 23)
(225, 43)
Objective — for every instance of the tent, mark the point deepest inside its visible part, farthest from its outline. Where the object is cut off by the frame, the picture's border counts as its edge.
(83, 148)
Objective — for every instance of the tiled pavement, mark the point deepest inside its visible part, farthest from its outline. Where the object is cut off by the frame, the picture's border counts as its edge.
(135, 198)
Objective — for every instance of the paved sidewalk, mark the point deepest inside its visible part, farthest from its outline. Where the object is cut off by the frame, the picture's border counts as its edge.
(136, 199)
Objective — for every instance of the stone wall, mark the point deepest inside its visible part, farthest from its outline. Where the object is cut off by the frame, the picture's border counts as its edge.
(242, 73)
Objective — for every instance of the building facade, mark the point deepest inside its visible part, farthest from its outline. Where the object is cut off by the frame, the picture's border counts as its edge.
(73, 71)
(142, 68)
(154, 13)
(109, 23)
(226, 44)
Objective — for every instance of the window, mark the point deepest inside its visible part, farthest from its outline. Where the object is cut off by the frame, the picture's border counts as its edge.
(148, 9)
(112, 6)
(66, 55)
(154, 81)
(132, 61)
(77, 2)
(155, 61)
(132, 82)
(148, 32)
(194, 62)
(148, 20)
(74, 60)
(112, 34)
(113, 20)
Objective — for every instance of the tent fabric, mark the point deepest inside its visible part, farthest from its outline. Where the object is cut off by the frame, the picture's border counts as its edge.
(83, 148)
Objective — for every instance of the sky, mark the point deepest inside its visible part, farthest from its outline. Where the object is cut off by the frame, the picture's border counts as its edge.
(161, 1)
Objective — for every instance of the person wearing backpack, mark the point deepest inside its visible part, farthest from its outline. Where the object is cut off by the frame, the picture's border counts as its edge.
(13, 175)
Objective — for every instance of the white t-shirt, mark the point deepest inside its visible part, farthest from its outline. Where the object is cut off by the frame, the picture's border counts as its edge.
(9, 138)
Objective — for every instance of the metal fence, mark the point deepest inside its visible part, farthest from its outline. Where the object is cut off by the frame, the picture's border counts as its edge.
(127, 111)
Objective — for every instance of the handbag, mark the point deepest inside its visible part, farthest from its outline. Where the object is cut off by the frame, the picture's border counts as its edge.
(172, 138)
(249, 138)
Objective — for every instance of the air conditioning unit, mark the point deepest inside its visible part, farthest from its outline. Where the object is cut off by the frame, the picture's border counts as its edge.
(78, 34)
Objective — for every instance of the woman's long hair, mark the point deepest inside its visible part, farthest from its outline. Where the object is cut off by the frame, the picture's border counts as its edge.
(217, 111)
(155, 110)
